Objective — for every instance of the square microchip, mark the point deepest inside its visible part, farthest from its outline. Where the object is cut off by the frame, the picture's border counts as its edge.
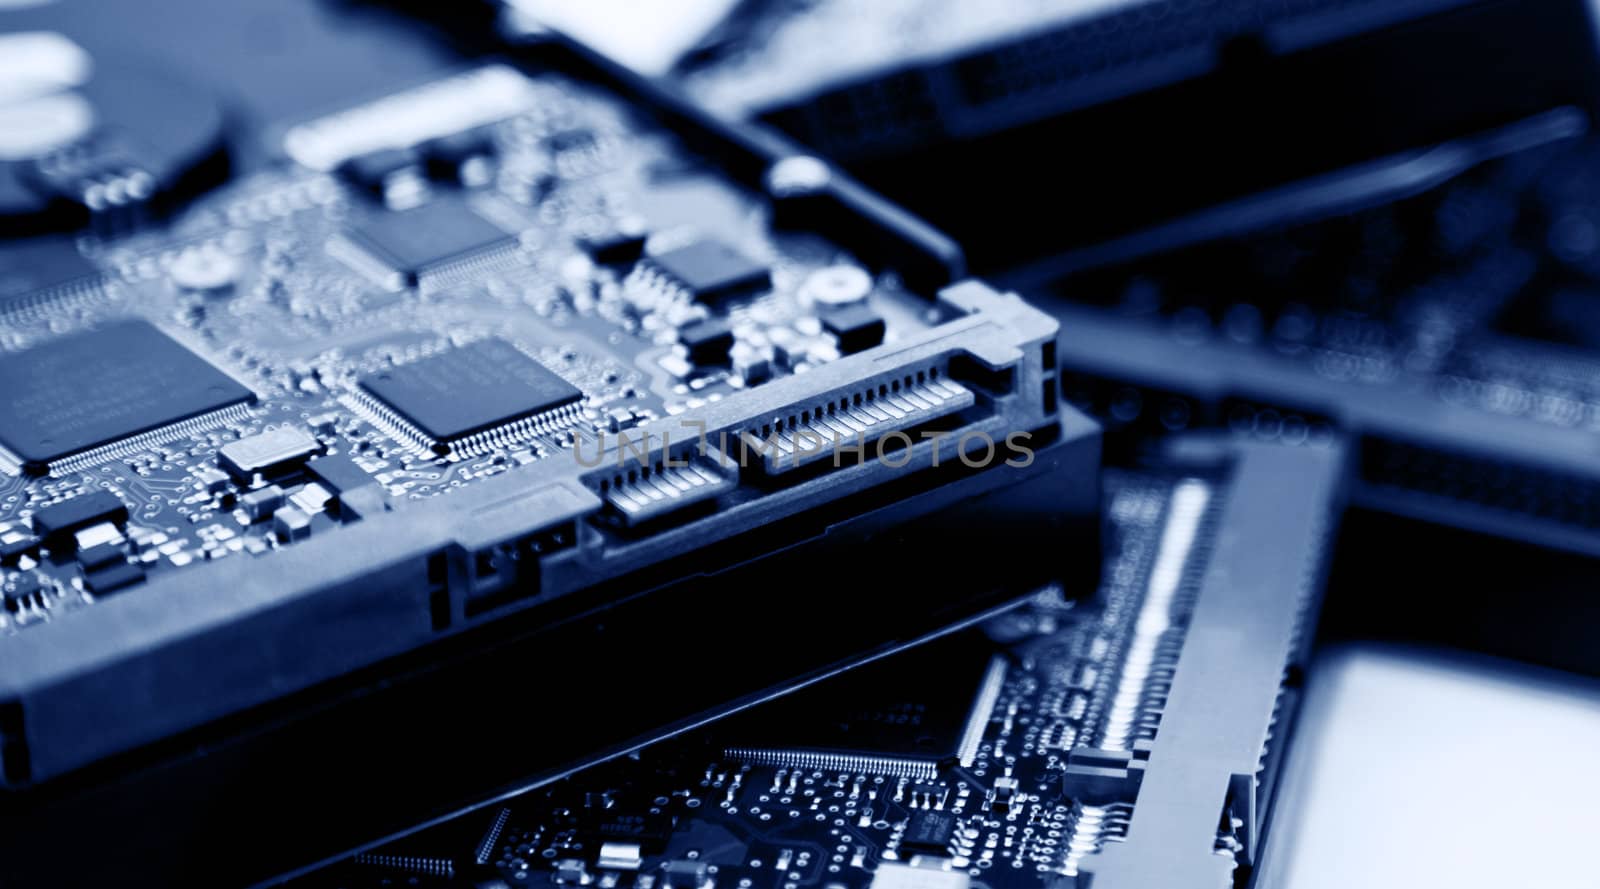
(72, 395)
(459, 401)
(412, 243)
(713, 271)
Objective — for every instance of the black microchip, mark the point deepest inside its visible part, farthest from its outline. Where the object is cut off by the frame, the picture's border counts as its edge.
(708, 342)
(915, 705)
(113, 577)
(712, 270)
(81, 392)
(420, 240)
(339, 473)
(59, 519)
(41, 266)
(465, 391)
(857, 328)
(650, 831)
(618, 248)
(929, 832)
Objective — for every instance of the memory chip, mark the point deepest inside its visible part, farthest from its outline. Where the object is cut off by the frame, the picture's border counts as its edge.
(929, 832)
(712, 271)
(71, 396)
(42, 268)
(423, 240)
(460, 401)
(902, 715)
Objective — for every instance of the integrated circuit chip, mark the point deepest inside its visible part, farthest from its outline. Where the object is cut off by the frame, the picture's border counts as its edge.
(929, 832)
(469, 399)
(412, 244)
(65, 399)
(898, 716)
(712, 271)
(42, 268)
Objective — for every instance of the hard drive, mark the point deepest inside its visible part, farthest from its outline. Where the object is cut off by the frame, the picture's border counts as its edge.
(521, 391)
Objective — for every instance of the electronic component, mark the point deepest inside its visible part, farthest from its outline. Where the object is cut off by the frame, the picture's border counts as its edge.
(57, 522)
(339, 474)
(644, 832)
(708, 342)
(20, 591)
(712, 271)
(64, 399)
(126, 136)
(617, 248)
(857, 327)
(647, 496)
(864, 421)
(620, 856)
(41, 269)
(893, 875)
(685, 874)
(291, 523)
(16, 542)
(928, 833)
(405, 246)
(373, 170)
(268, 453)
(212, 480)
(260, 504)
(460, 401)
(889, 721)
(100, 554)
(113, 577)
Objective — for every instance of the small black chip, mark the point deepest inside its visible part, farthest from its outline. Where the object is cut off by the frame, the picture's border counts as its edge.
(922, 706)
(60, 519)
(339, 474)
(708, 342)
(452, 401)
(111, 578)
(857, 328)
(82, 392)
(713, 271)
(650, 831)
(618, 248)
(42, 267)
(415, 242)
(929, 833)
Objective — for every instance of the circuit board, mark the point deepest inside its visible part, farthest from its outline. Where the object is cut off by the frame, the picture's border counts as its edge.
(952, 752)
(541, 271)
(1478, 291)
(1450, 330)
(1007, 756)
